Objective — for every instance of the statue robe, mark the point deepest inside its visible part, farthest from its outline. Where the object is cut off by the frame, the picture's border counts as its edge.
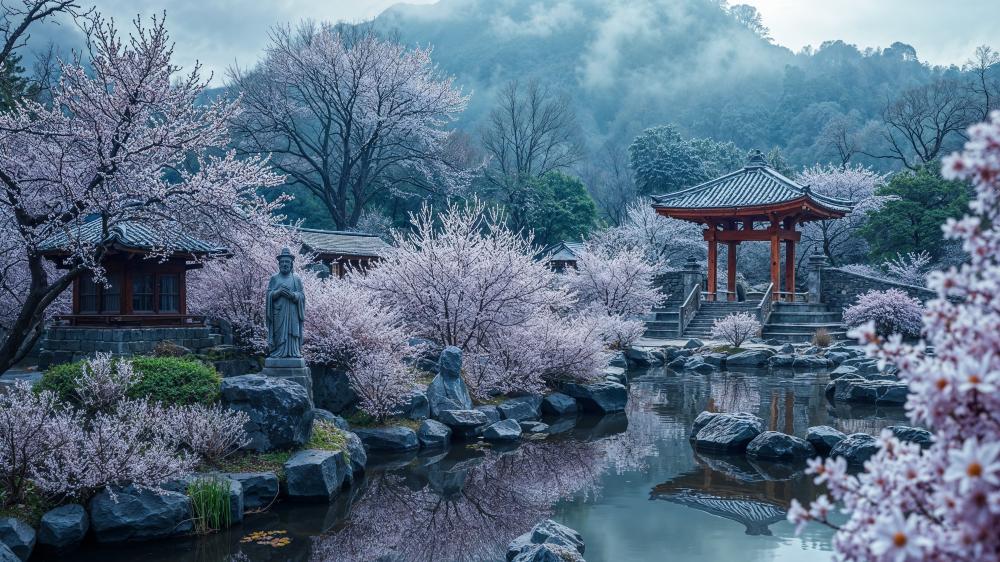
(285, 316)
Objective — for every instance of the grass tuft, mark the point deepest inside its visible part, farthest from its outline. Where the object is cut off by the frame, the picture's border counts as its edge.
(210, 504)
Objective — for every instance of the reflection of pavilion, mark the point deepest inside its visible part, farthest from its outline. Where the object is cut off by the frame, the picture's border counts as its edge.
(740, 494)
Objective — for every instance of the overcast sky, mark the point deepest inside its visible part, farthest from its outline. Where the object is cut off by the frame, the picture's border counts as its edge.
(222, 32)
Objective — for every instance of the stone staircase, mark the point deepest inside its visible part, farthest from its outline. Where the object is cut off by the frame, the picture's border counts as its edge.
(662, 322)
(797, 322)
(701, 325)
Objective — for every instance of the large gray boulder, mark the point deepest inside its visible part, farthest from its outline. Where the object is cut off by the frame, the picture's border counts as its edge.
(916, 435)
(356, 452)
(777, 446)
(493, 414)
(332, 389)
(140, 514)
(842, 371)
(557, 538)
(533, 427)
(602, 397)
(781, 361)
(280, 411)
(315, 475)
(546, 553)
(504, 430)
(17, 536)
(700, 422)
(643, 357)
(388, 439)
(329, 417)
(824, 438)
(803, 362)
(447, 390)
(694, 343)
(522, 408)
(64, 527)
(558, 404)
(857, 388)
(260, 489)
(749, 358)
(462, 419)
(856, 448)
(729, 433)
(416, 407)
(434, 434)
(697, 364)
(716, 359)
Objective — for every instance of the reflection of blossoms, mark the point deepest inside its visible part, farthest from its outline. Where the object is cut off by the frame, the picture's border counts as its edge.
(942, 503)
(469, 511)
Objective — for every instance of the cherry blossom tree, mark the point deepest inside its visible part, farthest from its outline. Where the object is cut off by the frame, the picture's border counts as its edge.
(126, 138)
(910, 268)
(939, 503)
(891, 311)
(736, 328)
(350, 116)
(838, 238)
(464, 278)
(619, 281)
(660, 239)
(462, 275)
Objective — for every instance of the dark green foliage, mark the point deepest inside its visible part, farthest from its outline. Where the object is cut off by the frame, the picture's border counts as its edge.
(665, 162)
(913, 223)
(561, 209)
(170, 380)
(13, 85)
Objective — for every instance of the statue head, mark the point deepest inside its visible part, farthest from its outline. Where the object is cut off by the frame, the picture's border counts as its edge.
(285, 260)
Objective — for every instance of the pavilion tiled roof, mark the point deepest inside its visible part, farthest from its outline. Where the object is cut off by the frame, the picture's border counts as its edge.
(342, 243)
(128, 235)
(754, 185)
(563, 251)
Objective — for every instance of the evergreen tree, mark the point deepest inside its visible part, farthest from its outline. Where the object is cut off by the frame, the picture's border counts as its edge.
(912, 223)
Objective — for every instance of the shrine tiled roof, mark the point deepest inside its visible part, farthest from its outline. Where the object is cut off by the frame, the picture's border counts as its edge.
(563, 251)
(754, 185)
(338, 242)
(128, 235)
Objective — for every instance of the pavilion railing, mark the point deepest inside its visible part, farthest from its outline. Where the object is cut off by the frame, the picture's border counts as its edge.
(689, 309)
(788, 296)
(766, 304)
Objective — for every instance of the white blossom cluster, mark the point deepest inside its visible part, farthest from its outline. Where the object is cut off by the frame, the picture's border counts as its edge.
(942, 503)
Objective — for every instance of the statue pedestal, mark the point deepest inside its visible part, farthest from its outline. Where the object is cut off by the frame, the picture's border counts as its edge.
(290, 368)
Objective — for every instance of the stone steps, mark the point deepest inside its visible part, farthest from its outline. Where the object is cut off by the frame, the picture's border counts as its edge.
(798, 322)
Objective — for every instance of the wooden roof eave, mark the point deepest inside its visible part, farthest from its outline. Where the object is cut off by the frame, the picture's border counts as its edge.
(805, 208)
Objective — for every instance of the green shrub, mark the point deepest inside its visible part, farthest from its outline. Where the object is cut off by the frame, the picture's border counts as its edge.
(170, 380)
(210, 504)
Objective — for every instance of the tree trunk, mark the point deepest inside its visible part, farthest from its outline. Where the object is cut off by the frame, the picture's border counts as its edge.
(27, 328)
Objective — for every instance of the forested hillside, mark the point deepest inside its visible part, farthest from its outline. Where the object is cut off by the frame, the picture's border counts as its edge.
(626, 66)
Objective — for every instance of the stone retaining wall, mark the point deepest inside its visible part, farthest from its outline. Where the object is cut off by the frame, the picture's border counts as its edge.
(64, 344)
(671, 284)
(841, 288)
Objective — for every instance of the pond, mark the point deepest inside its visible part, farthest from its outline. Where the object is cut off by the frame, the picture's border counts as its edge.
(629, 483)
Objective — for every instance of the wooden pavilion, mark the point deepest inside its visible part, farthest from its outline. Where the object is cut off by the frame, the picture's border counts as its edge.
(754, 203)
(139, 289)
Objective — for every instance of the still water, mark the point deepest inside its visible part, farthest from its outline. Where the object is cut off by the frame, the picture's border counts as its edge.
(629, 483)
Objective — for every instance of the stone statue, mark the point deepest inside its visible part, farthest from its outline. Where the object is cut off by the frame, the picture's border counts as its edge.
(286, 304)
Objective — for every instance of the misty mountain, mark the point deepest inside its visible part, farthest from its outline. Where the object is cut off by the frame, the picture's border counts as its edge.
(632, 64)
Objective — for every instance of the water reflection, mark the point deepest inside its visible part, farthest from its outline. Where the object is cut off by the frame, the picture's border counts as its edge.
(630, 483)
